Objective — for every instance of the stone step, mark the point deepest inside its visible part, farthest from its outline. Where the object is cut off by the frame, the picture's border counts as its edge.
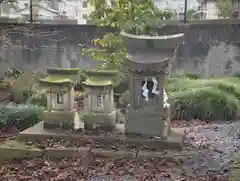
(12, 149)
(38, 134)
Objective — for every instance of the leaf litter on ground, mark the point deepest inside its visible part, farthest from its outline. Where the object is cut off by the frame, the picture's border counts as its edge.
(206, 157)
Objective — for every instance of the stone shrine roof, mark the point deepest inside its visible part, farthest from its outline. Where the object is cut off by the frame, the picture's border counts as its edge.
(148, 57)
(149, 61)
(56, 79)
(60, 77)
(100, 78)
(95, 81)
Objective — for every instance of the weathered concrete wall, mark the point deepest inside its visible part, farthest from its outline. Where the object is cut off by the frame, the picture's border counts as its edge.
(43, 46)
(210, 47)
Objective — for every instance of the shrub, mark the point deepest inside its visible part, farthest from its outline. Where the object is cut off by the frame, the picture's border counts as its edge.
(21, 95)
(205, 99)
(23, 116)
(38, 99)
(204, 103)
(237, 74)
(193, 75)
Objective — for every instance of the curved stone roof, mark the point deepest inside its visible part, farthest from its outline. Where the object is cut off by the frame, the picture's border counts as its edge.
(147, 62)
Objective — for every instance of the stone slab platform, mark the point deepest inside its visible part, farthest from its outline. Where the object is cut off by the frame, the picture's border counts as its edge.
(234, 174)
(13, 149)
(173, 142)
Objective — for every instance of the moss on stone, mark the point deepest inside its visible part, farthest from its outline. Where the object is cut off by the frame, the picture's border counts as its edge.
(101, 78)
(56, 79)
(93, 81)
(60, 76)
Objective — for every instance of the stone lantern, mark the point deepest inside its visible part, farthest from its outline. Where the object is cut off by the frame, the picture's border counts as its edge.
(147, 64)
(99, 105)
(59, 84)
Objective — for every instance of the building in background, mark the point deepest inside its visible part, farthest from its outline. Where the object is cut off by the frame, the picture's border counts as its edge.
(210, 9)
(177, 6)
(77, 10)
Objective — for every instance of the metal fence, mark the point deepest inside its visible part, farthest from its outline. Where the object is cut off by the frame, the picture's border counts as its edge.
(203, 10)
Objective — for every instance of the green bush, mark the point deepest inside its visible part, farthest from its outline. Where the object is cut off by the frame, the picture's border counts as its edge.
(21, 95)
(237, 74)
(39, 99)
(205, 99)
(28, 96)
(24, 116)
(193, 75)
(204, 103)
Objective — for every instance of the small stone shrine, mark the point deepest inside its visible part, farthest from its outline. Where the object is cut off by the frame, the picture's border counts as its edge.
(59, 84)
(99, 105)
(149, 113)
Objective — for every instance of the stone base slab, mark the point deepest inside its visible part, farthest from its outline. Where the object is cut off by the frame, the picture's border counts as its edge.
(12, 149)
(234, 174)
(174, 141)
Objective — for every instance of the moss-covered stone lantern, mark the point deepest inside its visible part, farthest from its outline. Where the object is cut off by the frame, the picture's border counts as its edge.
(99, 105)
(59, 84)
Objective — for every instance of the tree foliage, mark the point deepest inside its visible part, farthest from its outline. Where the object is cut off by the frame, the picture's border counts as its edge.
(7, 1)
(193, 14)
(135, 16)
(224, 8)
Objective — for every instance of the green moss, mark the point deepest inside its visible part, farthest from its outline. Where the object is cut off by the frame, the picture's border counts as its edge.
(97, 82)
(101, 77)
(60, 76)
(57, 79)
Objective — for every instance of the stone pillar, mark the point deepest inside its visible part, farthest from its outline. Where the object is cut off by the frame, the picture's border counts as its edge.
(49, 101)
(69, 99)
(137, 91)
(91, 103)
(112, 106)
(161, 91)
(107, 102)
(132, 90)
(73, 98)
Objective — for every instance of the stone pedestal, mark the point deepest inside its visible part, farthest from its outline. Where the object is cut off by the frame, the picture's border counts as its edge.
(58, 119)
(107, 120)
(140, 123)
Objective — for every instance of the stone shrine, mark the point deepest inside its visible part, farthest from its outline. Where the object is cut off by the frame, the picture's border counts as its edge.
(59, 84)
(149, 113)
(99, 105)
